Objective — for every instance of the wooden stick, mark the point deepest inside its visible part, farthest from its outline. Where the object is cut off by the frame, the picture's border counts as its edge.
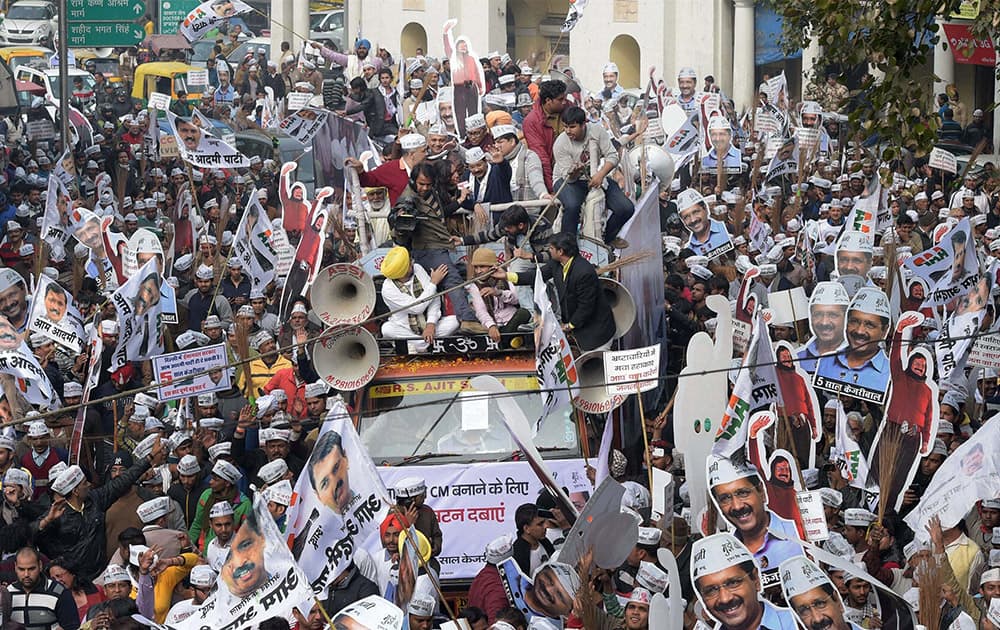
(645, 435)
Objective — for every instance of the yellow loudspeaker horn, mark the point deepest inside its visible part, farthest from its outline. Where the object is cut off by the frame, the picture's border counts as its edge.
(622, 305)
(343, 294)
(347, 361)
(593, 397)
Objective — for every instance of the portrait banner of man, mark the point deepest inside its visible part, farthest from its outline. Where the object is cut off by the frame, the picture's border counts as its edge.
(17, 360)
(894, 612)
(853, 254)
(739, 494)
(970, 473)
(138, 305)
(207, 15)
(55, 221)
(727, 580)
(200, 148)
(466, 75)
(911, 416)
(548, 593)
(950, 267)
(13, 299)
(54, 315)
(708, 237)
(960, 329)
(860, 367)
(827, 316)
(812, 596)
(342, 501)
(141, 246)
(258, 577)
(720, 134)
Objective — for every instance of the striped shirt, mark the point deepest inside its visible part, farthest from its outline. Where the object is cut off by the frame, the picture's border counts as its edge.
(47, 607)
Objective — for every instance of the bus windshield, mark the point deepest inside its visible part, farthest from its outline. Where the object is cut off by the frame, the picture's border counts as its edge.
(446, 419)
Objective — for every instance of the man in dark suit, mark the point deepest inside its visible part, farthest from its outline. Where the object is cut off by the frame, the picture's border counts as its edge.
(584, 310)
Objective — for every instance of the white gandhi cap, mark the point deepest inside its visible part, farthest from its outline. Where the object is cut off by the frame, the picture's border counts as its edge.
(717, 553)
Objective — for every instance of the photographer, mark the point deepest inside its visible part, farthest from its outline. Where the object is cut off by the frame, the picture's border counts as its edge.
(411, 494)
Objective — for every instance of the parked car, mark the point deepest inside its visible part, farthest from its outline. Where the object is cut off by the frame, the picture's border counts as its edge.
(29, 22)
(252, 45)
(328, 27)
(81, 84)
(279, 146)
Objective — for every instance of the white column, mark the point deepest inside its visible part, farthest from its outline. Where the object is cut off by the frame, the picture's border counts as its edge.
(300, 22)
(743, 53)
(809, 56)
(281, 12)
(944, 64)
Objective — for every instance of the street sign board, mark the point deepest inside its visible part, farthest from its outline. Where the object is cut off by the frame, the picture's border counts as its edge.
(173, 12)
(98, 34)
(104, 10)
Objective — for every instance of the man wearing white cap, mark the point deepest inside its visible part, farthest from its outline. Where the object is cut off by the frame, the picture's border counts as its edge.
(728, 584)
(708, 236)
(549, 594)
(202, 579)
(637, 609)
(203, 300)
(827, 316)
(862, 369)
(221, 489)
(812, 597)
(42, 457)
(79, 532)
(411, 497)
(488, 183)
(687, 83)
(611, 88)
(154, 515)
(221, 519)
(739, 493)
(527, 181)
(188, 488)
(420, 612)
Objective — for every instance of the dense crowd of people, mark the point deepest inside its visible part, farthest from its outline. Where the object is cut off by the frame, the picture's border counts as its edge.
(873, 397)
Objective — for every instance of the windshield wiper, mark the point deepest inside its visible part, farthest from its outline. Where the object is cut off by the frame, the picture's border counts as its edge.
(413, 459)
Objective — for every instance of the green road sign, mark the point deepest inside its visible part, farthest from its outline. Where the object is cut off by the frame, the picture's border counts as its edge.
(89, 11)
(100, 34)
(173, 12)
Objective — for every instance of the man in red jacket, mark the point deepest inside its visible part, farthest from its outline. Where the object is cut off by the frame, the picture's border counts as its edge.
(542, 125)
(487, 591)
(394, 175)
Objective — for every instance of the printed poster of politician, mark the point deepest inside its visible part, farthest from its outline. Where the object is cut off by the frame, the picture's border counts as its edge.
(860, 368)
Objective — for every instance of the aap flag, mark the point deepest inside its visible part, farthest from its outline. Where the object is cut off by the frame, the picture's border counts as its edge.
(200, 148)
(966, 476)
(959, 331)
(950, 267)
(55, 221)
(140, 247)
(138, 303)
(554, 364)
(341, 502)
(258, 579)
(756, 389)
(847, 454)
(54, 315)
(304, 124)
(210, 14)
(252, 244)
(576, 8)
(18, 361)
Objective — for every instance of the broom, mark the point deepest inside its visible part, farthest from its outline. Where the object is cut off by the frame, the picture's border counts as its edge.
(624, 261)
(929, 583)
(889, 446)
